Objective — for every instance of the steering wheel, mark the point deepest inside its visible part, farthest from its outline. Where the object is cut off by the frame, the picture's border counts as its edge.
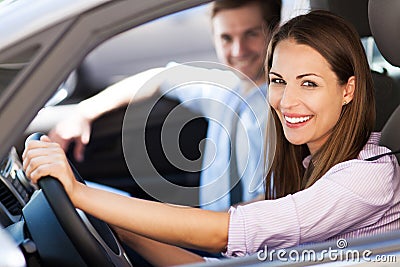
(92, 238)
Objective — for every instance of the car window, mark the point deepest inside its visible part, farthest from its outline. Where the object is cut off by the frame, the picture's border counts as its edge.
(10, 67)
(181, 37)
(377, 61)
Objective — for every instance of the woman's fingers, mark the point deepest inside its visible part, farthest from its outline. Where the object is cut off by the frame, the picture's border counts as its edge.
(38, 172)
(35, 149)
(45, 138)
(46, 158)
(42, 158)
(40, 166)
(34, 144)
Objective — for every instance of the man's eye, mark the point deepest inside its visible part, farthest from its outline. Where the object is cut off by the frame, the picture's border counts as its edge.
(309, 84)
(253, 34)
(226, 38)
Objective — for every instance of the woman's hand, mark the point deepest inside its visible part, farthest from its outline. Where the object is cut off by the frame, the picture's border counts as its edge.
(46, 158)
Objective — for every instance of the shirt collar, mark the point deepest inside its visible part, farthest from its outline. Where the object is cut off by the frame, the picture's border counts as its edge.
(373, 139)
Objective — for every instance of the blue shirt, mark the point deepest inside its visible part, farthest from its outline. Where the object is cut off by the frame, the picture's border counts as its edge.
(218, 99)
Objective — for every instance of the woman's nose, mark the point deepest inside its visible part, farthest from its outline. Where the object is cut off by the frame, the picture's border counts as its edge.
(289, 97)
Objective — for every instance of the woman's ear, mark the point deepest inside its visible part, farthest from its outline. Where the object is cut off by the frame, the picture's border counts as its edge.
(348, 90)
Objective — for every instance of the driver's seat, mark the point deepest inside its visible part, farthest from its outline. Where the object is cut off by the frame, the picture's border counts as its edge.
(384, 18)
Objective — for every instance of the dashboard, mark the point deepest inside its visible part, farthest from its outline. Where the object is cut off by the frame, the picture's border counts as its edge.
(15, 189)
(46, 228)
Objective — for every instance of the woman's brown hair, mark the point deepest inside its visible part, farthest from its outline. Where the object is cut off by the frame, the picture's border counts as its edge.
(338, 42)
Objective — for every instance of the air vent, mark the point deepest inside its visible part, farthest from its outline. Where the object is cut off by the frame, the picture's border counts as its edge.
(9, 201)
(6, 166)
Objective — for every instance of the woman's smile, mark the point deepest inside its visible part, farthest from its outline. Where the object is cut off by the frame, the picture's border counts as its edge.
(296, 121)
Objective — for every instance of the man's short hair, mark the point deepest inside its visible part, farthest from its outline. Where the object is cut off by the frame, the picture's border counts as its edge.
(271, 9)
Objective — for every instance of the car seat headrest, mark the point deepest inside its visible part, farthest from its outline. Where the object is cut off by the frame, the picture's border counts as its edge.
(384, 19)
(347, 10)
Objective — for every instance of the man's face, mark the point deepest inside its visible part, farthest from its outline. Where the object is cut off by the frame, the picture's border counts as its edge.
(240, 40)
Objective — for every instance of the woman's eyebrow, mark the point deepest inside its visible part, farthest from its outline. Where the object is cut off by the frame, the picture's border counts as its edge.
(274, 73)
(307, 74)
(298, 77)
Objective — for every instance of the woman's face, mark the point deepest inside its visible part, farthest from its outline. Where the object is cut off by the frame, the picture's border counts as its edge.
(306, 94)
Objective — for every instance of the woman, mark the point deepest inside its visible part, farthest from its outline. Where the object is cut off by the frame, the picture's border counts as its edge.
(320, 185)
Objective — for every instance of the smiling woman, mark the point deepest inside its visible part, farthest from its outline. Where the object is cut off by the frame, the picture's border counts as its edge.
(308, 97)
(323, 98)
(322, 184)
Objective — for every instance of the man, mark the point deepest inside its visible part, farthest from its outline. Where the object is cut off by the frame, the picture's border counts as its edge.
(240, 31)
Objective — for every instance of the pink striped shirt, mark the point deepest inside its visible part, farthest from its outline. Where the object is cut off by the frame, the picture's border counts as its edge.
(354, 198)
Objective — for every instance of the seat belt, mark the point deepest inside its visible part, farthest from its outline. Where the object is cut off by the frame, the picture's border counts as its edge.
(382, 155)
(236, 194)
(235, 178)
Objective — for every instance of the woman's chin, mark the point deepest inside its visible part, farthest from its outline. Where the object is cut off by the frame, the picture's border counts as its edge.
(295, 140)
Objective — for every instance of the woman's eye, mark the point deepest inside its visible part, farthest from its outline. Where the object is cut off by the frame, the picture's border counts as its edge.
(277, 81)
(309, 84)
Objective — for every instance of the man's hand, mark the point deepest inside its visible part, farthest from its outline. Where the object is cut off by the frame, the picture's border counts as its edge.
(75, 128)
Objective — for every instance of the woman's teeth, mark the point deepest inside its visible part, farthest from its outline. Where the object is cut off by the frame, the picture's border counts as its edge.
(297, 119)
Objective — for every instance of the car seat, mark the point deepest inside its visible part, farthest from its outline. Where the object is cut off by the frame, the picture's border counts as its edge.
(384, 18)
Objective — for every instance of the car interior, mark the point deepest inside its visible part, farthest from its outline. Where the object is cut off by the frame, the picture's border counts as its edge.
(379, 20)
(104, 158)
(86, 241)
(382, 19)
